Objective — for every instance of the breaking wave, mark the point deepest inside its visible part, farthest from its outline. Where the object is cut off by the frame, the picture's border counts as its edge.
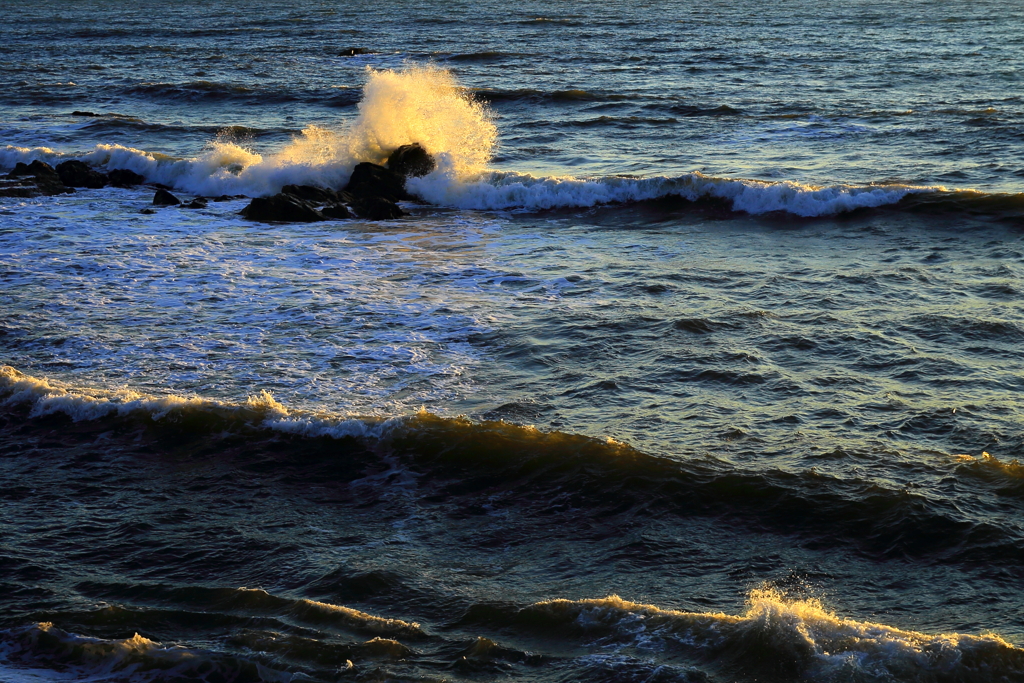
(509, 191)
(425, 104)
(323, 158)
(798, 638)
(418, 104)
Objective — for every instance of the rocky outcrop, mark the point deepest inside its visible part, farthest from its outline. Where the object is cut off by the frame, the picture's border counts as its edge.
(31, 180)
(197, 203)
(371, 180)
(76, 173)
(18, 188)
(336, 212)
(376, 208)
(314, 195)
(372, 193)
(122, 177)
(411, 161)
(165, 198)
(283, 208)
(41, 178)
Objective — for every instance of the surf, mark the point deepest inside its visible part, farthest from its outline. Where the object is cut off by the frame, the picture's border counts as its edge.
(427, 104)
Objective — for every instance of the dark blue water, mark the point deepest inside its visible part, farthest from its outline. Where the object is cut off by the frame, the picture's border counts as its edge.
(697, 358)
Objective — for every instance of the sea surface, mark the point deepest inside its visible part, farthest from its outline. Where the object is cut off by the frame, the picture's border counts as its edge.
(698, 358)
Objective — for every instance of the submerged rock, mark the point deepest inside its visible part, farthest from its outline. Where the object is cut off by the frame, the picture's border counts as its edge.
(353, 51)
(281, 207)
(336, 211)
(76, 173)
(371, 180)
(165, 198)
(11, 188)
(122, 177)
(197, 203)
(411, 161)
(376, 208)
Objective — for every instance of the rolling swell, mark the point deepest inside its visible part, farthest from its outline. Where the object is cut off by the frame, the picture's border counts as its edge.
(135, 658)
(254, 637)
(465, 464)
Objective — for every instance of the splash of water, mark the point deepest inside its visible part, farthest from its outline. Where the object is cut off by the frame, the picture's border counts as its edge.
(423, 104)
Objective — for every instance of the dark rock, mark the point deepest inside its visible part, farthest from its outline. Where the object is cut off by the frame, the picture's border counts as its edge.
(309, 193)
(411, 161)
(122, 177)
(353, 51)
(371, 180)
(165, 198)
(281, 207)
(43, 177)
(336, 211)
(17, 189)
(376, 208)
(229, 197)
(85, 113)
(148, 211)
(43, 171)
(197, 203)
(75, 173)
(20, 170)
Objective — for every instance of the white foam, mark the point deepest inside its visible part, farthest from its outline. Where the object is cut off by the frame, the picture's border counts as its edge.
(509, 191)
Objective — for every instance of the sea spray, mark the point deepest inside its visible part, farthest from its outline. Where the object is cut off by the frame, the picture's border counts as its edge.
(421, 104)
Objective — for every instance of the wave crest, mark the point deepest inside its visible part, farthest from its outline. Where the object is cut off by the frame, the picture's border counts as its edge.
(795, 637)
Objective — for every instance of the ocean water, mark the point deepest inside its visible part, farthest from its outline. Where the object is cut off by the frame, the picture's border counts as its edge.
(698, 358)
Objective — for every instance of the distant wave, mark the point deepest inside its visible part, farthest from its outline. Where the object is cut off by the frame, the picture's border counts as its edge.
(534, 95)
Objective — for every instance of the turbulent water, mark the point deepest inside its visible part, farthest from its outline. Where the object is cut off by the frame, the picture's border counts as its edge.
(698, 358)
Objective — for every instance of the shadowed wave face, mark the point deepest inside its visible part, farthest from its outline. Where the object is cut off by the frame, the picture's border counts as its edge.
(697, 357)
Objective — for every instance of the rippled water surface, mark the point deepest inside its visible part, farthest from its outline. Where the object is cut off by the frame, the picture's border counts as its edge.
(699, 358)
